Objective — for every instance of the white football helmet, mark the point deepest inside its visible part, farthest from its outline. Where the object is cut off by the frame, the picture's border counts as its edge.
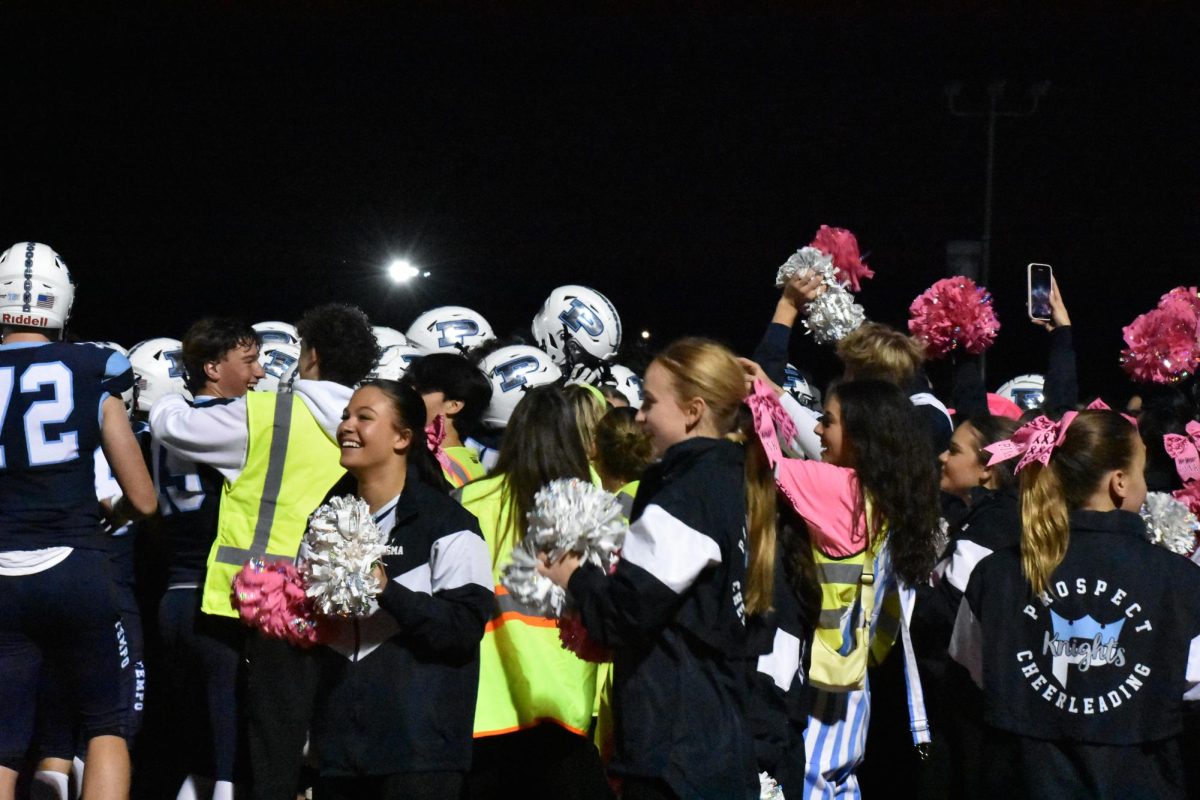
(795, 384)
(1027, 391)
(279, 361)
(386, 337)
(393, 362)
(626, 382)
(274, 331)
(157, 371)
(451, 329)
(35, 287)
(577, 323)
(514, 370)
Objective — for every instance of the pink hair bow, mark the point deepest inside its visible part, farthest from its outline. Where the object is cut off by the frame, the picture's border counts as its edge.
(1033, 441)
(1036, 440)
(435, 434)
(1183, 449)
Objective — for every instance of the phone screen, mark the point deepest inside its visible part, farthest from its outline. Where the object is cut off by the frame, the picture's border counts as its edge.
(1039, 290)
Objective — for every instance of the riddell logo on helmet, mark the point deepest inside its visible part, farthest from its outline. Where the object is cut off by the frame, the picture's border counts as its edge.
(24, 319)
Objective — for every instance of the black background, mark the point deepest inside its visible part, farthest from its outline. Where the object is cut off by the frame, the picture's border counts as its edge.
(255, 159)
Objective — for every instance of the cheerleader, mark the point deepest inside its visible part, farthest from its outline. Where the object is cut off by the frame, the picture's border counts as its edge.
(870, 506)
(1086, 639)
(674, 612)
(396, 692)
(990, 521)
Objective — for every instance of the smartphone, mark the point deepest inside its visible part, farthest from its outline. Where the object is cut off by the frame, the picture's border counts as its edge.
(1038, 280)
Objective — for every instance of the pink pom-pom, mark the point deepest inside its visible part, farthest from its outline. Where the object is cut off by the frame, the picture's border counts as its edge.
(1189, 495)
(954, 313)
(1161, 344)
(842, 247)
(1182, 294)
(574, 637)
(271, 598)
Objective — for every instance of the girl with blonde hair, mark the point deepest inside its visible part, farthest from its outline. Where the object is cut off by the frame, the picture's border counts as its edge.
(674, 611)
(1086, 640)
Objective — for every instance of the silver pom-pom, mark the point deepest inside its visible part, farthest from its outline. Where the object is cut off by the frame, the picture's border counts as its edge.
(338, 555)
(806, 259)
(833, 313)
(568, 516)
(768, 789)
(1169, 523)
(941, 537)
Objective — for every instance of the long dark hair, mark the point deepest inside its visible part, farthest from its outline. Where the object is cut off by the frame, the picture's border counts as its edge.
(893, 457)
(410, 414)
(541, 444)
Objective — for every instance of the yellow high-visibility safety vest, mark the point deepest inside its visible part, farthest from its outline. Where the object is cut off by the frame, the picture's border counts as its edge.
(526, 677)
(291, 464)
(465, 466)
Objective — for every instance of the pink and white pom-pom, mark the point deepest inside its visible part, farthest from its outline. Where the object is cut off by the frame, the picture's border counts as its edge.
(954, 314)
(271, 598)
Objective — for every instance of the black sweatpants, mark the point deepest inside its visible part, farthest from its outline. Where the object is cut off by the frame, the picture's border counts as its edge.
(546, 761)
(281, 681)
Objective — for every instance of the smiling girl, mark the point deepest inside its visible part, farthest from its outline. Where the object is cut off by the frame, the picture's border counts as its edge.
(870, 506)
(396, 694)
(674, 610)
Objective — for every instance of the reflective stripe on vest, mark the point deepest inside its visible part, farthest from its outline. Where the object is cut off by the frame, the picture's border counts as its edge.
(526, 677)
(291, 464)
(281, 427)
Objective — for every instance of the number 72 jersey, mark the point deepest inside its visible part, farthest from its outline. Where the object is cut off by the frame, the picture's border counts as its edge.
(50, 414)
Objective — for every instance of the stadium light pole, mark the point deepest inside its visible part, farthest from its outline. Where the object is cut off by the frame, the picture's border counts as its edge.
(991, 114)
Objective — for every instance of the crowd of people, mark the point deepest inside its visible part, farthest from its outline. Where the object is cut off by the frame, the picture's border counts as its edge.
(865, 590)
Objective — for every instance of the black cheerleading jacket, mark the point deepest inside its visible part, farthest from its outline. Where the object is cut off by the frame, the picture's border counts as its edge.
(674, 614)
(1084, 686)
(397, 688)
(778, 650)
(992, 522)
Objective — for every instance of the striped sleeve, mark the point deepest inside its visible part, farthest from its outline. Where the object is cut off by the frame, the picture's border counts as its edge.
(669, 549)
(966, 644)
(1192, 674)
(661, 559)
(449, 617)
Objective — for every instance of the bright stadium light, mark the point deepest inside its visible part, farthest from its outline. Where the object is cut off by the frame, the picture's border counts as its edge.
(401, 271)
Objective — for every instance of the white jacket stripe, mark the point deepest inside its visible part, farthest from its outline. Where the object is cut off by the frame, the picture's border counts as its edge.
(668, 549)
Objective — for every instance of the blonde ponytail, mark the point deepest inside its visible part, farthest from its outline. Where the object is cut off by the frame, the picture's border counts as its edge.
(760, 516)
(1045, 525)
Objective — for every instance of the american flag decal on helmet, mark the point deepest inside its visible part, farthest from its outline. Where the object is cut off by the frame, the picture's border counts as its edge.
(45, 301)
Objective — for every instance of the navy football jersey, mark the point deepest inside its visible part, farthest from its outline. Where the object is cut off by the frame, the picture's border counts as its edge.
(189, 499)
(50, 413)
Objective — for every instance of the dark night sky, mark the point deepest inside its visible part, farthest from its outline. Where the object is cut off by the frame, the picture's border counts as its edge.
(209, 158)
